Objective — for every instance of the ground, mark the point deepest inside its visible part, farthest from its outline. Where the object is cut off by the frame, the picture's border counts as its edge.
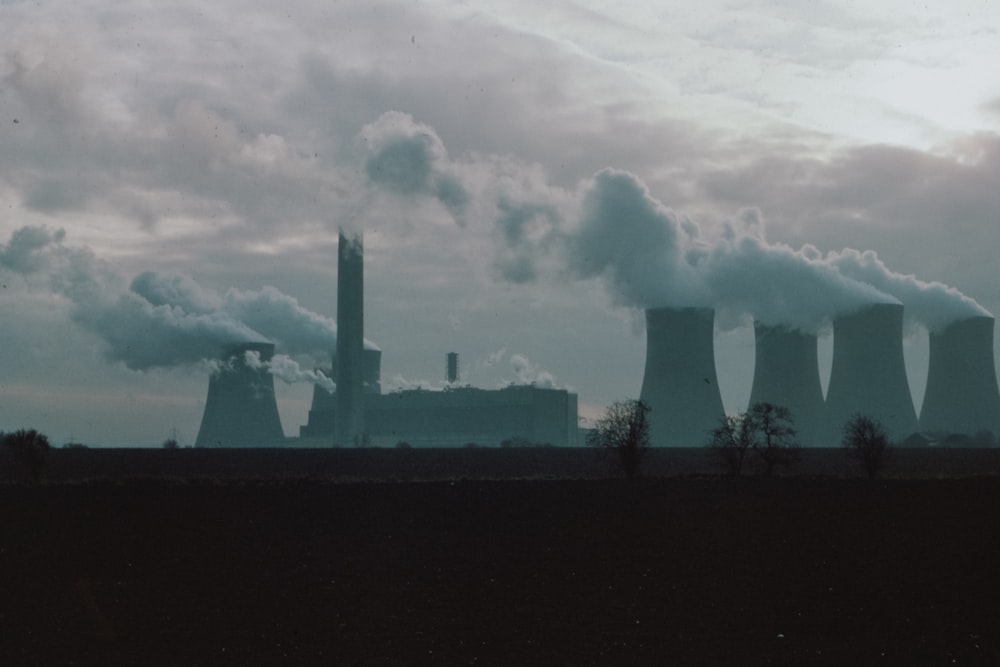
(794, 570)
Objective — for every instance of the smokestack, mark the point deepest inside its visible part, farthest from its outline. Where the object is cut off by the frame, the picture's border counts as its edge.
(350, 340)
(679, 383)
(786, 372)
(868, 375)
(962, 394)
(240, 410)
(452, 367)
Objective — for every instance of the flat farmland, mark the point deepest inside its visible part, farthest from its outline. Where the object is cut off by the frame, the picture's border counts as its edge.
(290, 569)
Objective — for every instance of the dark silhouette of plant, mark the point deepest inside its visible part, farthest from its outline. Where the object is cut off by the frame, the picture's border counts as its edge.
(171, 443)
(731, 441)
(624, 430)
(29, 447)
(866, 442)
(776, 444)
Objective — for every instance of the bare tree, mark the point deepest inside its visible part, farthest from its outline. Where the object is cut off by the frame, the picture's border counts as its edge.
(866, 441)
(776, 444)
(29, 447)
(766, 429)
(624, 430)
(731, 441)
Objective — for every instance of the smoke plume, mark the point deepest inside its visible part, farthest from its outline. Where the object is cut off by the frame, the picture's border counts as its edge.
(163, 320)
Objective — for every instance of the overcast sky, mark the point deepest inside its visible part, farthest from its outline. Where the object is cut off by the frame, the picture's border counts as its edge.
(528, 177)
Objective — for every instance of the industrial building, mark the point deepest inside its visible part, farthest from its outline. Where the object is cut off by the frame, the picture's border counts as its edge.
(868, 376)
(454, 417)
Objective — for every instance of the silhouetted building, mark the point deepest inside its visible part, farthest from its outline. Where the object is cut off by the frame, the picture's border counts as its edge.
(458, 416)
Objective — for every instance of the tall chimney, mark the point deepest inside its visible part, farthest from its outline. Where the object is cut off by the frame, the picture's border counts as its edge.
(868, 374)
(679, 383)
(350, 416)
(786, 372)
(452, 367)
(241, 410)
(962, 395)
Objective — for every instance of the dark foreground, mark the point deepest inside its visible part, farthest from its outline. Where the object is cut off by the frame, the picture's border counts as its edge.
(671, 571)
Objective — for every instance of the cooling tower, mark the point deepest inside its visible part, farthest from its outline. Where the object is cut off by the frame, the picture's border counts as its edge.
(786, 372)
(962, 395)
(679, 383)
(350, 340)
(240, 410)
(868, 375)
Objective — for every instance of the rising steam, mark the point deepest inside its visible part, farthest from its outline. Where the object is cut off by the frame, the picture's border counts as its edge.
(165, 320)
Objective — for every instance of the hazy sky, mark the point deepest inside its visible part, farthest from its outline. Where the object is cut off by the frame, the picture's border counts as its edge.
(527, 176)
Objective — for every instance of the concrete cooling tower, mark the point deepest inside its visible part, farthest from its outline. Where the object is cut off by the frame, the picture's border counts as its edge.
(240, 410)
(868, 375)
(786, 372)
(679, 383)
(962, 395)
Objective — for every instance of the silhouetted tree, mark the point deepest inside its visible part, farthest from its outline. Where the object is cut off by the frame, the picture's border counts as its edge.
(171, 443)
(731, 441)
(624, 430)
(775, 444)
(866, 442)
(29, 447)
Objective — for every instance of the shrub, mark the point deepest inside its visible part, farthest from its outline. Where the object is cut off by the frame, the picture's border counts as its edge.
(29, 447)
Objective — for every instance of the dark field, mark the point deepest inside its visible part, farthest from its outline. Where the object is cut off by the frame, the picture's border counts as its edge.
(277, 568)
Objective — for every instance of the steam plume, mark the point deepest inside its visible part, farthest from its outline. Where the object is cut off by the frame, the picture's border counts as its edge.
(163, 320)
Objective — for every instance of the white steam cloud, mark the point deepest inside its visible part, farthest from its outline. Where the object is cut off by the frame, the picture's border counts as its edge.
(932, 304)
(288, 370)
(162, 320)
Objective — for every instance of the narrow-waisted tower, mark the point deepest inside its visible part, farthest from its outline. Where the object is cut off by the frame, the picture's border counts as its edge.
(241, 410)
(786, 373)
(868, 374)
(679, 383)
(350, 420)
(962, 395)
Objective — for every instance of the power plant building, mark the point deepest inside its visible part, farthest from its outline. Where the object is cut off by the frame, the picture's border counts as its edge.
(454, 417)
